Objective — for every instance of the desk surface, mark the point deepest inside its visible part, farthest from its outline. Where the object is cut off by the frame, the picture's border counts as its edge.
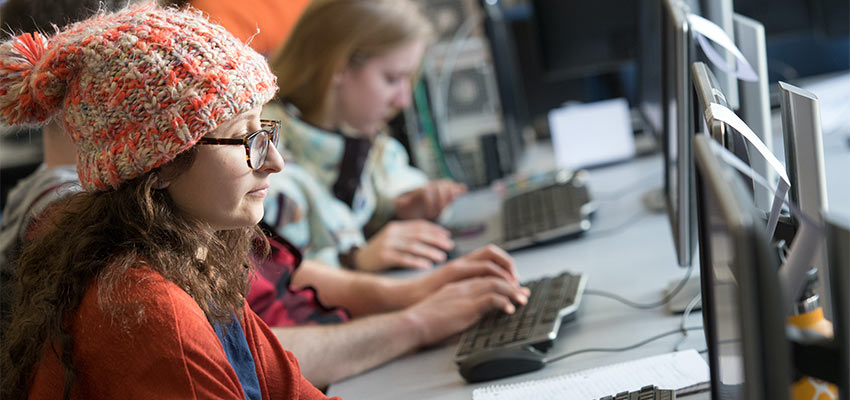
(629, 250)
(640, 267)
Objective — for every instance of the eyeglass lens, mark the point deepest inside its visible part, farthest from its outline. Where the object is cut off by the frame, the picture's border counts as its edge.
(259, 149)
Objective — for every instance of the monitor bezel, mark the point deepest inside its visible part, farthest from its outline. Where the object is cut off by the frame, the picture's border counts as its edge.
(678, 50)
(707, 91)
(765, 348)
(838, 245)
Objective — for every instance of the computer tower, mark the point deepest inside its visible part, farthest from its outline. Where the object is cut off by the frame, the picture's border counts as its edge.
(463, 103)
(447, 16)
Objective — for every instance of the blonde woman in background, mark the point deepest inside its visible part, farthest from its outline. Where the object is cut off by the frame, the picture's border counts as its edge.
(350, 65)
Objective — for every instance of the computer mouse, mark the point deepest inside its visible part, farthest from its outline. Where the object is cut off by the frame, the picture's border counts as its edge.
(501, 363)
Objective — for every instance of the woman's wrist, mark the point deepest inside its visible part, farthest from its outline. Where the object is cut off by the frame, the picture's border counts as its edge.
(401, 293)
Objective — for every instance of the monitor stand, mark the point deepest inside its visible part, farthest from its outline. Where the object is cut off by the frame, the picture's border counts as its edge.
(654, 201)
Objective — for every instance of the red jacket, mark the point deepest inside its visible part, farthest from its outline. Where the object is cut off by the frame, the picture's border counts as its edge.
(172, 353)
(275, 301)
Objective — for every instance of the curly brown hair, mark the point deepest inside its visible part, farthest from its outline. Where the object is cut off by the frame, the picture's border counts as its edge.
(99, 236)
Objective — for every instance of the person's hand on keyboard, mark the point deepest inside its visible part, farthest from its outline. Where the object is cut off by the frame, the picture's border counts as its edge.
(458, 305)
(407, 244)
(487, 261)
(428, 201)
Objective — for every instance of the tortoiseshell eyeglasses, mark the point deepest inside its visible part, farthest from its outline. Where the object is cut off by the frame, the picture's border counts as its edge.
(256, 144)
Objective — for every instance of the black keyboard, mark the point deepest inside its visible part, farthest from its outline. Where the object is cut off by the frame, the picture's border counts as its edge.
(524, 335)
(645, 393)
(559, 207)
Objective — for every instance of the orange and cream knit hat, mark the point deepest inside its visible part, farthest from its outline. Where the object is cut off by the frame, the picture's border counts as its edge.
(133, 88)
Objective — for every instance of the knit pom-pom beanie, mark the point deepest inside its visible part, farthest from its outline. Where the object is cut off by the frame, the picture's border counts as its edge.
(133, 88)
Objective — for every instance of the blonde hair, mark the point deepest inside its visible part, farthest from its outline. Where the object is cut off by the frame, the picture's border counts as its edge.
(333, 33)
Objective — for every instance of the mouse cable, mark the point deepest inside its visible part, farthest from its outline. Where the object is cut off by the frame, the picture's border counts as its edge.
(619, 349)
(691, 305)
(645, 306)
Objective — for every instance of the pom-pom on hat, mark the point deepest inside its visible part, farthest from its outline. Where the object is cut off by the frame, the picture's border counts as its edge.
(133, 88)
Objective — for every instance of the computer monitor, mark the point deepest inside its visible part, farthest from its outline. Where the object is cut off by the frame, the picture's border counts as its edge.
(748, 352)
(677, 55)
(803, 37)
(584, 38)
(721, 12)
(725, 127)
(707, 91)
(573, 51)
(803, 139)
(650, 50)
(649, 69)
(838, 243)
(801, 129)
(754, 98)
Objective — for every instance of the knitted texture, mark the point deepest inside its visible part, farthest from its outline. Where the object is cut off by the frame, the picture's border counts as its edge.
(133, 88)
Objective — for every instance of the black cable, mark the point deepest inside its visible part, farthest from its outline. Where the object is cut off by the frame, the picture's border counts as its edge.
(619, 349)
(644, 306)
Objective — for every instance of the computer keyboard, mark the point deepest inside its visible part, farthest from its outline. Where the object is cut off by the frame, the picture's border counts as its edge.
(508, 344)
(645, 393)
(559, 206)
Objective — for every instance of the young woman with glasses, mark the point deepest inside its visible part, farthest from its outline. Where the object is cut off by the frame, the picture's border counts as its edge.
(135, 287)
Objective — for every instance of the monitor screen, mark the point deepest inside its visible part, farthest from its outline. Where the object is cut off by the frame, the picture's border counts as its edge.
(804, 37)
(749, 355)
(572, 51)
(582, 38)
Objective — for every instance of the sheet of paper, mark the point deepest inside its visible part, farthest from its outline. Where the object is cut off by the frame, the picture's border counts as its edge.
(666, 371)
(592, 133)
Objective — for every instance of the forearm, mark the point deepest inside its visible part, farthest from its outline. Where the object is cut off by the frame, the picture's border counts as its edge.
(329, 353)
(360, 293)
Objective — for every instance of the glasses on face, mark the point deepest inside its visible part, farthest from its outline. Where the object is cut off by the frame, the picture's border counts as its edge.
(256, 144)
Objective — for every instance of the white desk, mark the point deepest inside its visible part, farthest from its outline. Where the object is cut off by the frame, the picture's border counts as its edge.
(637, 260)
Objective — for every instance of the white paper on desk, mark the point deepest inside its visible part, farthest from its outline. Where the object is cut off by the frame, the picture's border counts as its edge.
(592, 133)
(666, 371)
